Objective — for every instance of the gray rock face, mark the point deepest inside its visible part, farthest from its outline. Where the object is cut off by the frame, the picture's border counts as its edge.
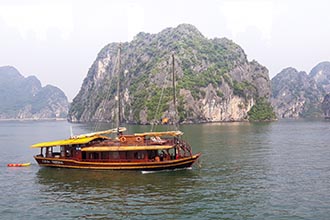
(296, 94)
(25, 98)
(321, 74)
(215, 81)
(326, 106)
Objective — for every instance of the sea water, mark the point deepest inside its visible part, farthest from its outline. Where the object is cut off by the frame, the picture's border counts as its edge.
(277, 170)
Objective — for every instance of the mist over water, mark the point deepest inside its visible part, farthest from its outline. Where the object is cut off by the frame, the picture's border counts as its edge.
(278, 170)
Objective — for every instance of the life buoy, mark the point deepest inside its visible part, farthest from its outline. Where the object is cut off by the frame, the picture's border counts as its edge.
(138, 139)
(122, 139)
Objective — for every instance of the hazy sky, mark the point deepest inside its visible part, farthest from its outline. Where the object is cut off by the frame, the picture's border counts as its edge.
(57, 41)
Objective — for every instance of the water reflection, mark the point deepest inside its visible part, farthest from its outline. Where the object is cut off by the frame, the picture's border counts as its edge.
(232, 176)
(275, 170)
(106, 179)
(114, 193)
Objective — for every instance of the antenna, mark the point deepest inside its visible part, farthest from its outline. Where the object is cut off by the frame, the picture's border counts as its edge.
(118, 91)
(174, 92)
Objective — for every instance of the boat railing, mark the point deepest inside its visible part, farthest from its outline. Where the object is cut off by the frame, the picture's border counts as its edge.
(158, 141)
(112, 160)
(139, 141)
(171, 157)
(185, 147)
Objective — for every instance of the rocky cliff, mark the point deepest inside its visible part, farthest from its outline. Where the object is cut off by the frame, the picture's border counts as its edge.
(326, 106)
(321, 74)
(295, 94)
(298, 94)
(25, 98)
(215, 81)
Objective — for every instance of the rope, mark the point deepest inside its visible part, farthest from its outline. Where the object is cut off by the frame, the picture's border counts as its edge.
(160, 100)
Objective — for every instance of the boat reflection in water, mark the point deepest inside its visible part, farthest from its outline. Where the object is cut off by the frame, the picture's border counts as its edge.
(92, 194)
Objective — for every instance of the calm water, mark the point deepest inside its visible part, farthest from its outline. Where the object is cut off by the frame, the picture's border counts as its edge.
(277, 170)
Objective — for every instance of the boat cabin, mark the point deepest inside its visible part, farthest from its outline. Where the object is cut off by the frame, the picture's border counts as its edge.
(144, 147)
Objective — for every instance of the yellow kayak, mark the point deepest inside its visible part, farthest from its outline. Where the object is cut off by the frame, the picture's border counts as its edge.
(18, 164)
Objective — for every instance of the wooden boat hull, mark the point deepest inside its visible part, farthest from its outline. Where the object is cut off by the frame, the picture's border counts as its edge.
(144, 166)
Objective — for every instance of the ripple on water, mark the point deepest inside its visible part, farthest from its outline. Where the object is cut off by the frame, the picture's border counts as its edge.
(248, 171)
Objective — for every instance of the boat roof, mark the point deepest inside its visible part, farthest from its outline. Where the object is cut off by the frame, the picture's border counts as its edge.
(86, 138)
(110, 131)
(161, 133)
(71, 141)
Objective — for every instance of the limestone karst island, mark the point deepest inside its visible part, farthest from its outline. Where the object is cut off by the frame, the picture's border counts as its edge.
(215, 83)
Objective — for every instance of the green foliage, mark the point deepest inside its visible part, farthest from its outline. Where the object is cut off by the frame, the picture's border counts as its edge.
(228, 79)
(238, 88)
(244, 89)
(220, 94)
(138, 102)
(154, 100)
(181, 110)
(77, 108)
(195, 81)
(262, 111)
(200, 62)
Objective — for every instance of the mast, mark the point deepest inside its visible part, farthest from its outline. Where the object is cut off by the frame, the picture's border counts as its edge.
(118, 91)
(174, 93)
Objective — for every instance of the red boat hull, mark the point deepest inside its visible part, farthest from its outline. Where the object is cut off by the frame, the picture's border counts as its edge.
(144, 166)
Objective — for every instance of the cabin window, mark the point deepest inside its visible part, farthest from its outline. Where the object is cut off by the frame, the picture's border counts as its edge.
(123, 155)
(55, 152)
(48, 152)
(152, 154)
(104, 155)
(130, 155)
(172, 153)
(139, 155)
(69, 153)
(114, 155)
(62, 150)
(94, 156)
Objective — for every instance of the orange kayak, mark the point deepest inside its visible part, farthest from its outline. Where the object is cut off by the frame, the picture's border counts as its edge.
(18, 164)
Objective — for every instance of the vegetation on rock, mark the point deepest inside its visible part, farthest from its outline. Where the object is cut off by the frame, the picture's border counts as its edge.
(210, 74)
(262, 111)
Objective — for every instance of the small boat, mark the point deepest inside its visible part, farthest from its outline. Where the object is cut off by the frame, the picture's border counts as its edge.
(18, 164)
(148, 151)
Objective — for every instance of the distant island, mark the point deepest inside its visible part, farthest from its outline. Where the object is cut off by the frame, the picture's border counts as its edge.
(300, 95)
(25, 99)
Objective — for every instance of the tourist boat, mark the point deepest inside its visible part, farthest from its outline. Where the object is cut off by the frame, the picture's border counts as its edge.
(149, 151)
(142, 151)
